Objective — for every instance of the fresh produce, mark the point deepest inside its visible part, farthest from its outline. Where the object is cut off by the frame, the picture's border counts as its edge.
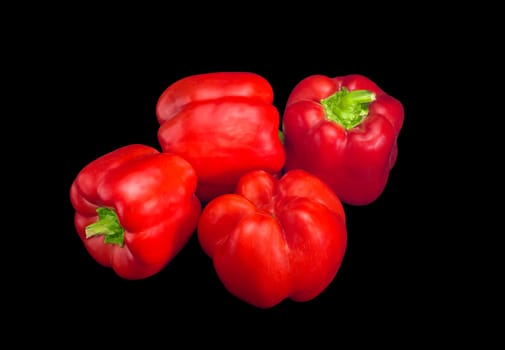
(275, 238)
(345, 131)
(224, 124)
(135, 208)
(265, 196)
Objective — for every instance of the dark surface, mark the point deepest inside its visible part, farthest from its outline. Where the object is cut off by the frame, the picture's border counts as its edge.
(380, 267)
(107, 88)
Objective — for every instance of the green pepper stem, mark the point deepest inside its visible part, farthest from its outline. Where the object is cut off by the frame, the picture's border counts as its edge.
(348, 108)
(107, 225)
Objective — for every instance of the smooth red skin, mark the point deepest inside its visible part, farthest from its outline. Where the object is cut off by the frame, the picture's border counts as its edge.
(224, 124)
(154, 197)
(275, 238)
(356, 163)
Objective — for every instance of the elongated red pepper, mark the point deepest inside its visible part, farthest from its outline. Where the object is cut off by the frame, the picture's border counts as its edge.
(275, 238)
(224, 124)
(345, 131)
(135, 208)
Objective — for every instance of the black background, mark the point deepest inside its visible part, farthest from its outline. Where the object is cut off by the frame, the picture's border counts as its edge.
(105, 80)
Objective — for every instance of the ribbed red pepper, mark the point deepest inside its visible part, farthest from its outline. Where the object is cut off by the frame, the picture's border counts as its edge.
(224, 124)
(344, 130)
(135, 209)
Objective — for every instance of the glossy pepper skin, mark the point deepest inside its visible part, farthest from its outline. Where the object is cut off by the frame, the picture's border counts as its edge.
(345, 131)
(135, 208)
(224, 124)
(275, 238)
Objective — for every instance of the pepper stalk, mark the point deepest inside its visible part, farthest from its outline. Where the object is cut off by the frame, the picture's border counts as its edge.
(107, 225)
(347, 108)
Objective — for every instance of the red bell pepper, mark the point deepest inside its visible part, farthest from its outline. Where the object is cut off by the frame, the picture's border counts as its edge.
(135, 208)
(224, 124)
(345, 131)
(275, 238)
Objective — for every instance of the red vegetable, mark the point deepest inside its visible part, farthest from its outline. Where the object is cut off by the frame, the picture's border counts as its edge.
(135, 208)
(344, 130)
(224, 124)
(275, 238)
